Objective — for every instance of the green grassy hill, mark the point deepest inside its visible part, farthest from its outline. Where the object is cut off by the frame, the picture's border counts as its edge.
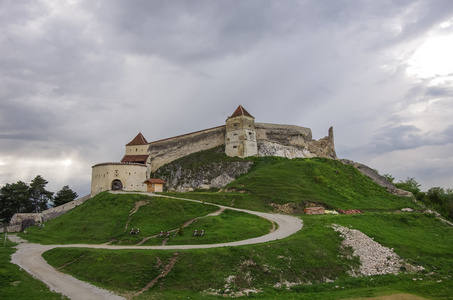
(330, 183)
(311, 264)
(108, 218)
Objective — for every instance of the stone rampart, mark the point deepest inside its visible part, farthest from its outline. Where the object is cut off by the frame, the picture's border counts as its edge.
(54, 212)
(283, 134)
(289, 141)
(292, 141)
(168, 150)
(16, 222)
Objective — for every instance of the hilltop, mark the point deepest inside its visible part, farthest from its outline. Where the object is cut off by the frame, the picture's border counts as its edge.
(268, 183)
(314, 263)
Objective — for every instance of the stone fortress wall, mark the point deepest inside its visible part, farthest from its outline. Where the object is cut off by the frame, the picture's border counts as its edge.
(16, 223)
(165, 151)
(273, 140)
(240, 135)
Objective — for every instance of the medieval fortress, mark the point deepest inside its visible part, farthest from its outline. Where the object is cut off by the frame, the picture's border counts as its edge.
(240, 136)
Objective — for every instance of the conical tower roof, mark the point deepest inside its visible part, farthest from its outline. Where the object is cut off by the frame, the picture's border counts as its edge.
(138, 140)
(240, 111)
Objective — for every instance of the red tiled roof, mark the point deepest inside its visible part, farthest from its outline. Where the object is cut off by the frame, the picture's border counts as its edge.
(240, 111)
(153, 180)
(135, 158)
(138, 140)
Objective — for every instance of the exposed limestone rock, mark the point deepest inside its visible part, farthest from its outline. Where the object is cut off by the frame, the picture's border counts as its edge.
(314, 210)
(212, 175)
(266, 148)
(373, 175)
(290, 208)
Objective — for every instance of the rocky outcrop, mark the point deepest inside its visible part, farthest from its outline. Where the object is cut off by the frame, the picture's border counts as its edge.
(266, 148)
(375, 259)
(314, 210)
(373, 175)
(183, 178)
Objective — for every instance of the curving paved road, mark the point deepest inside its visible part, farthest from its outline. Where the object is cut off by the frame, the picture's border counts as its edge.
(29, 256)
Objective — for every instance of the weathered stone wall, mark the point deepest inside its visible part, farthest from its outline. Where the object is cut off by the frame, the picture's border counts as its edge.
(15, 224)
(272, 140)
(324, 147)
(137, 150)
(292, 141)
(283, 134)
(168, 150)
(131, 176)
(54, 212)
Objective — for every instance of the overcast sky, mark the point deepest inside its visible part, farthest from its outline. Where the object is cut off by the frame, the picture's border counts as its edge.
(79, 79)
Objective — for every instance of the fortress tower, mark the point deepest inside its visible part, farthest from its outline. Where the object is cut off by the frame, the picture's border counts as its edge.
(240, 135)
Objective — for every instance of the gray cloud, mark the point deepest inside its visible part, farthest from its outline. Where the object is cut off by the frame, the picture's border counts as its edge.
(81, 79)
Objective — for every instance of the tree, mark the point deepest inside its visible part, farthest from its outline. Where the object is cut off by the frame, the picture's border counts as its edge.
(15, 198)
(38, 193)
(436, 195)
(389, 178)
(63, 196)
(410, 185)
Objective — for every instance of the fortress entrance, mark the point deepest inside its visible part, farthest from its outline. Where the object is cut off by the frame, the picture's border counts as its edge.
(27, 223)
(117, 185)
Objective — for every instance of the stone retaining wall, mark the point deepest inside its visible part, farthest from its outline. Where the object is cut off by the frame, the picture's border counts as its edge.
(15, 225)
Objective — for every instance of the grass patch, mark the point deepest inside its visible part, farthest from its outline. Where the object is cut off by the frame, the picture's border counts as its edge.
(227, 227)
(104, 218)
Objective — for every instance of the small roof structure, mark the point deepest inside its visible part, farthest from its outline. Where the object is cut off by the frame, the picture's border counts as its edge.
(138, 140)
(154, 181)
(240, 111)
(141, 159)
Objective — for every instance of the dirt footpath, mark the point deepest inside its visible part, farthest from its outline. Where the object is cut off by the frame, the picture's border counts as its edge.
(28, 257)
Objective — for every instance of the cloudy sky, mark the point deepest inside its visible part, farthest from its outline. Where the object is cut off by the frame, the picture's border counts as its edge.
(79, 79)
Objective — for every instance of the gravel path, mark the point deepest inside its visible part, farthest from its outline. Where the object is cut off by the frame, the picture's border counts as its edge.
(29, 256)
(375, 259)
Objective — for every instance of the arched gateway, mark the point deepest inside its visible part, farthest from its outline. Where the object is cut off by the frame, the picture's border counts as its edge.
(117, 185)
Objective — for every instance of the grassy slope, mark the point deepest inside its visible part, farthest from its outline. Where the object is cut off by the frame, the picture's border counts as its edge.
(311, 255)
(104, 218)
(304, 181)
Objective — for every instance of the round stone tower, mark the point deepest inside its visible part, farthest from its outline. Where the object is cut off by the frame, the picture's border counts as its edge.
(240, 137)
